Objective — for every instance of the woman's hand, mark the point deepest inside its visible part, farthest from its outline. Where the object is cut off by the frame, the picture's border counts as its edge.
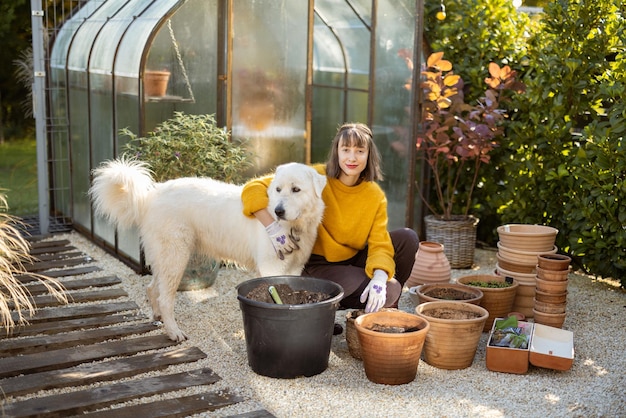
(376, 292)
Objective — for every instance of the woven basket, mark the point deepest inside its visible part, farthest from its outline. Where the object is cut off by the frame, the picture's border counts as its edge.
(458, 237)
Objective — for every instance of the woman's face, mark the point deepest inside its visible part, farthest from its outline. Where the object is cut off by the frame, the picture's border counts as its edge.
(352, 161)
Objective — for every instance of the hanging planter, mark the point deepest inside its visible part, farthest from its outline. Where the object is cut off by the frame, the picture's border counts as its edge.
(455, 331)
(155, 83)
(391, 344)
(288, 340)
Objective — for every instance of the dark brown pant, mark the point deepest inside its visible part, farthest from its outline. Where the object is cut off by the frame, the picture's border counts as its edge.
(350, 274)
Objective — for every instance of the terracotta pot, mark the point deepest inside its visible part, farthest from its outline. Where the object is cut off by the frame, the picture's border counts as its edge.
(552, 275)
(391, 358)
(431, 265)
(429, 292)
(521, 257)
(497, 301)
(525, 299)
(557, 262)
(512, 266)
(551, 297)
(526, 278)
(552, 320)
(200, 273)
(525, 237)
(354, 348)
(551, 308)
(452, 343)
(551, 286)
(155, 83)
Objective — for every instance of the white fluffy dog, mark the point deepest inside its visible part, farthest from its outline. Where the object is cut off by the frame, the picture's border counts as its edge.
(203, 215)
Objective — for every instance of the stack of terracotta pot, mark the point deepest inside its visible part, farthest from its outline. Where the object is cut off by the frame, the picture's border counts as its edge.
(518, 248)
(551, 292)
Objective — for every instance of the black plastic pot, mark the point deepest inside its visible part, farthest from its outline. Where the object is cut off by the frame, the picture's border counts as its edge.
(287, 341)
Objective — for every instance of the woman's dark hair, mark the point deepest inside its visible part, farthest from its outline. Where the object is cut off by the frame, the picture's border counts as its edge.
(355, 135)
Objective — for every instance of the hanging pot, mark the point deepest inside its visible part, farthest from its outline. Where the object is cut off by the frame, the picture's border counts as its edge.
(389, 356)
(455, 331)
(431, 265)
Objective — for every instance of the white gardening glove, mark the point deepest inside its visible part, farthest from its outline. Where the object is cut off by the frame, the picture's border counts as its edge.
(283, 242)
(376, 292)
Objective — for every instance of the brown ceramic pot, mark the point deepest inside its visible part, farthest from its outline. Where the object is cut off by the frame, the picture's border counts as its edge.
(455, 331)
(557, 262)
(551, 286)
(551, 320)
(552, 275)
(498, 301)
(551, 297)
(438, 292)
(391, 358)
(431, 265)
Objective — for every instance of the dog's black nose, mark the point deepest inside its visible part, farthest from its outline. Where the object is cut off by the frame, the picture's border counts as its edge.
(280, 212)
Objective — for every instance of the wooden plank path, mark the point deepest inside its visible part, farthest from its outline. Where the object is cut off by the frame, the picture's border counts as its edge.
(96, 338)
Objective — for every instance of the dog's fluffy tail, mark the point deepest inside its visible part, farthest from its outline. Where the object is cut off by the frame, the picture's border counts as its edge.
(120, 191)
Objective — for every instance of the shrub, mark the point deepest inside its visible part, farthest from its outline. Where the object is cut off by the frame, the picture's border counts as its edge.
(567, 159)
(189, 146)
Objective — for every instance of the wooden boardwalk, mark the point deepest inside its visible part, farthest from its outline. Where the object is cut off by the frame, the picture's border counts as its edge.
(96, 338)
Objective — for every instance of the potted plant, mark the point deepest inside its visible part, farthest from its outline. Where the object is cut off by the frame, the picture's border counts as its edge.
(191, 146)
(456, 140)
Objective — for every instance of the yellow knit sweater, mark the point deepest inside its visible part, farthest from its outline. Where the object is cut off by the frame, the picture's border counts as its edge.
(354, 217)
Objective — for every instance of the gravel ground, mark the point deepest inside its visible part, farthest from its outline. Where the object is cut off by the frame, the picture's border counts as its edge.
(594, 387)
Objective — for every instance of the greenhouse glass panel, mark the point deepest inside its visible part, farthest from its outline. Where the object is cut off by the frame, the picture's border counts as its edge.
(269, 61)
(392, 100)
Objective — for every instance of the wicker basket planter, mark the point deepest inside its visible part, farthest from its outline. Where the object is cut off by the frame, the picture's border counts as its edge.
(457, 235)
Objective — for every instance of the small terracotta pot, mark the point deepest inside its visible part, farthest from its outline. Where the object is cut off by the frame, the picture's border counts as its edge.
(431, 265)
(424, 292)
(551, 320)
(556, 262)
(551, 308)
(497, 301)
(552, 275)
(452, 343)
(551, 297)
(551, 286)
(391, 358)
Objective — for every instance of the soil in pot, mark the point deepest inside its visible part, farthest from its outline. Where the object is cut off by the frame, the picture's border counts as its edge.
(449, 294)
(287, 295)
(445, 313)
(289, 340)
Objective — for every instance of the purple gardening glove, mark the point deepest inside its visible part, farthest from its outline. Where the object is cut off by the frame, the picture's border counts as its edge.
(283, 242)
(376, 292)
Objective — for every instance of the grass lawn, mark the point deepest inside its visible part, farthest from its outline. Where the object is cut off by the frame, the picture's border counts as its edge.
(18, 176)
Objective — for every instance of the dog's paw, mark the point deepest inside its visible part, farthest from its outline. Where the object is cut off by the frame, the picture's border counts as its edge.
(176, 335)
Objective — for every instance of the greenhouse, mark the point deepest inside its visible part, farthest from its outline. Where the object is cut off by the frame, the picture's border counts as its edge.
(280, 75)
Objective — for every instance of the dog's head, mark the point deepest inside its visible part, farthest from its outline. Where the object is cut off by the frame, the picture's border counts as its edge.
(295, 191)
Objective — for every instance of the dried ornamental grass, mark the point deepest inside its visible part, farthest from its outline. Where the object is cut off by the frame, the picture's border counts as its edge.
(14, 251)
